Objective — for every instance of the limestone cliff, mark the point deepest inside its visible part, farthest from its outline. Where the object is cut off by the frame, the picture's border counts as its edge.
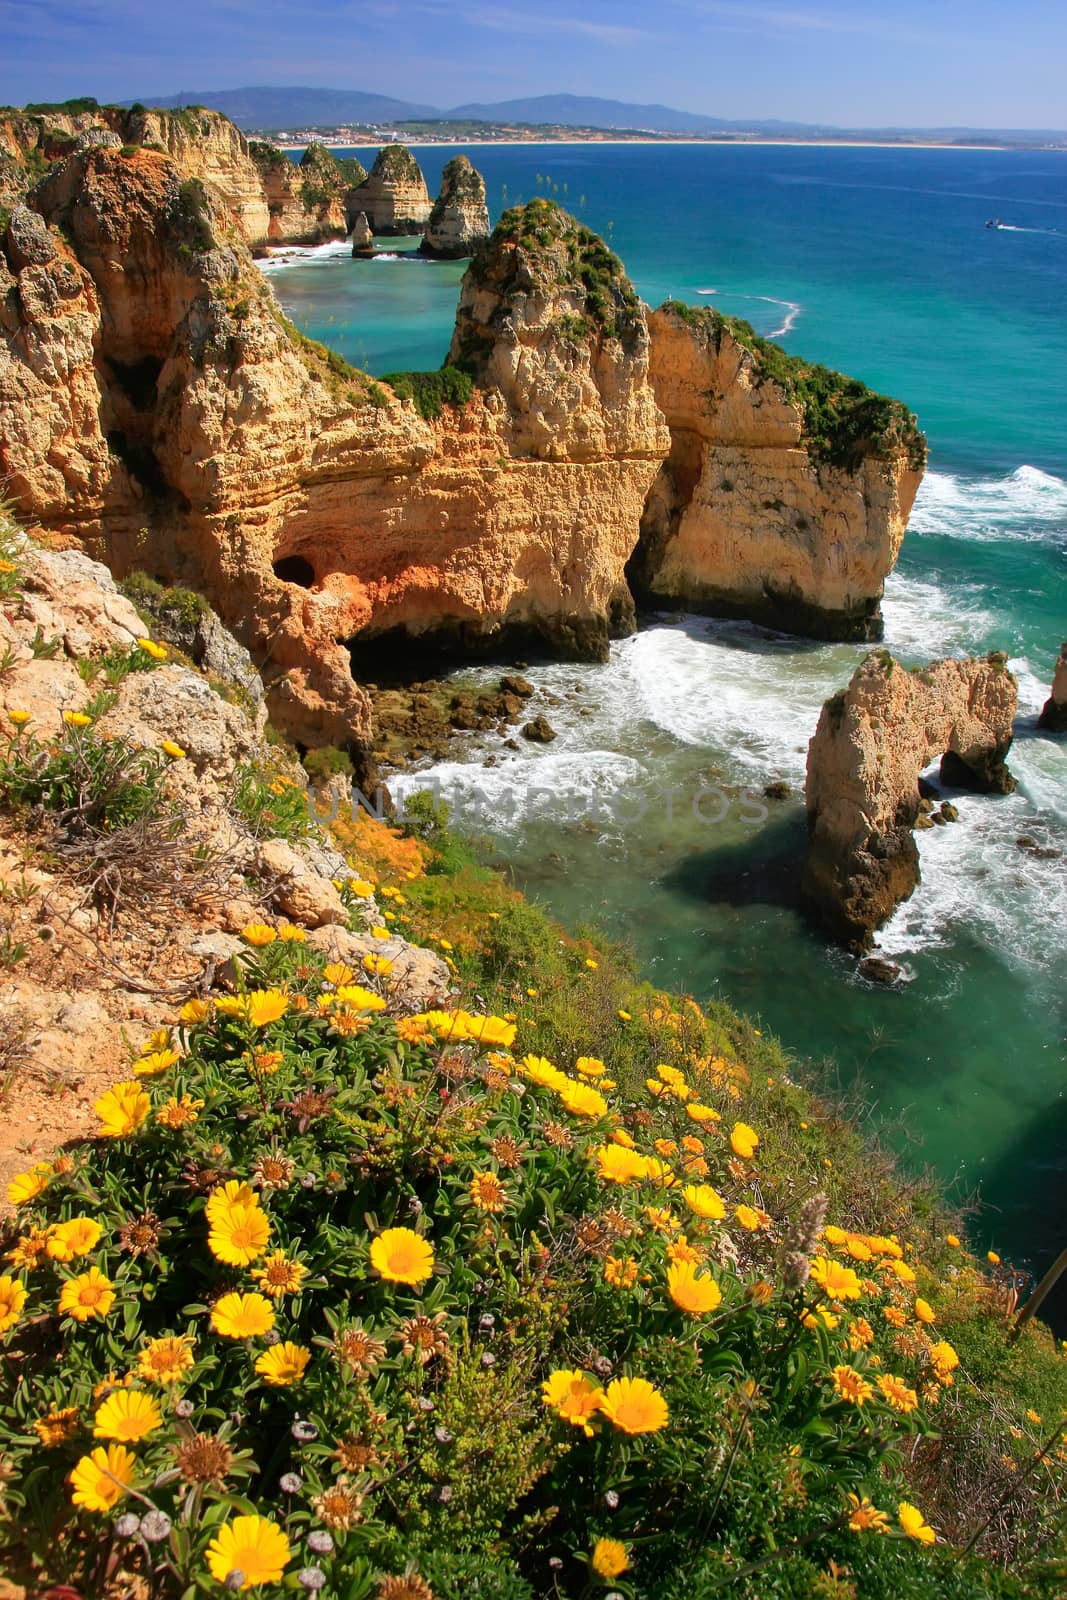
(459, 221)
(305, 203)
(872, 742)
(155, 404)
(787, 489)
(394, 197)
(1054, 711)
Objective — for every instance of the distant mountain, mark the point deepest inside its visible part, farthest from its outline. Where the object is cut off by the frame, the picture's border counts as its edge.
(297, 108)
(587, 111)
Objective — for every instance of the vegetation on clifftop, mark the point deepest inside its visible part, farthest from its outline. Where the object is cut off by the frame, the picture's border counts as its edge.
(844, 420)
(540, 246)
(430, 391)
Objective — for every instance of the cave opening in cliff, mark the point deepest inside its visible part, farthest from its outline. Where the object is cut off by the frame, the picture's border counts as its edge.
(138, 380)
(295, 569)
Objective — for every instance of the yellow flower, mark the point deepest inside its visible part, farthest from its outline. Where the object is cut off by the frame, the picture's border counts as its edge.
(354, 994)
(657, 1171)
(1033, 1416)
(283, 1364)
(225, 1195)
(582, 1101)
(899, 1269)
(76, 719)
(696, 1293)
(616, 1164)
(101, 1478)
(851, 1385)
(377, 966)
(264, 1006)
(835, 1281)
(259, 934)
(914, 1524)
(158, 1061)
(681, 1250)
(487, 1191)
(175, 751)
(860, 1334)
(28, 1185)
(57, 1427)
(165, 1360)
(743, 1140)
(624, 1016)
(634, 1406)
(663, 1219)
(242, 1316)
(194, 1011)
(609, 1558)
(992, 1257)
(589, 1067)
(175, 1113)
(701, 1113)
(122, 1110)
(149, 646)
(620, 1273)
(290, 933)
(280, 1276)
(897, 1393)
(380, 933)
(19, 718)
(591, 964)
(337, 972)
(127, 1415)
(944, 1359)
(924, 1311)
(953, 1240)
(620, 1136)
(253, 1546)
(572, 1396)
(865, 1517)
(88, 1295)
(749, 1219)
(402, 1256)
(74, 1238)
(703, 1200)
(361, 888)
(239, 1234)
(12, 1300)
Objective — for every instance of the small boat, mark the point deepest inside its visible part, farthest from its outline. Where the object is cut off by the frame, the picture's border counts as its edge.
(995, 222)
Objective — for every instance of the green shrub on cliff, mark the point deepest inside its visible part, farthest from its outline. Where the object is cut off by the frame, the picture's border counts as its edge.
(431, 391)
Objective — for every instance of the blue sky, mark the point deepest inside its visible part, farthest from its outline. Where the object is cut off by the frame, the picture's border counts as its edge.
(983, 63)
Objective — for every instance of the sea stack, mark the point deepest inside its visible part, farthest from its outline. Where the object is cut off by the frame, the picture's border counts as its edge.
(362, 236)
(394, 197)
(1054, 712)
(787, 489)
(872, 743)
(459, 221)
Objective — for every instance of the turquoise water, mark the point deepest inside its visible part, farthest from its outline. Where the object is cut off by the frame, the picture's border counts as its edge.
(877, 262)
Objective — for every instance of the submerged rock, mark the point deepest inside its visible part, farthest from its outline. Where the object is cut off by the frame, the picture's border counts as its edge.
(880, 970)
(872, 741)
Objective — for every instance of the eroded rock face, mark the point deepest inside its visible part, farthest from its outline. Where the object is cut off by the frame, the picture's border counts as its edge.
(394, 197)
(1054, 712)
(305, 203)
(361, 235)
(459, 221)
(872, 742)
(751, 515)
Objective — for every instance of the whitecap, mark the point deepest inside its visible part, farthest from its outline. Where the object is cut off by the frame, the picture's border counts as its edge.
(1027, 504)
(278, 259)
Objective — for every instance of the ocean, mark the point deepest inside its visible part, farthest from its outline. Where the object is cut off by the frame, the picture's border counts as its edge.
(877, 262)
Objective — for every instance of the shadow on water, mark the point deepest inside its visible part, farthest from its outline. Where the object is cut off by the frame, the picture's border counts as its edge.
(762, 868)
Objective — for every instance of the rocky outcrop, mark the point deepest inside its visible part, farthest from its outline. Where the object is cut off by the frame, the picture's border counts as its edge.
(394, 197)
(459, 221)
(361, 235)
(873, 741)
(156, 405)
(305, 203)
(1054, 711)
(787, 489)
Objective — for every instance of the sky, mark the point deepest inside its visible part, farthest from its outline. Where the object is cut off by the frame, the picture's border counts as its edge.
(859, 63)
